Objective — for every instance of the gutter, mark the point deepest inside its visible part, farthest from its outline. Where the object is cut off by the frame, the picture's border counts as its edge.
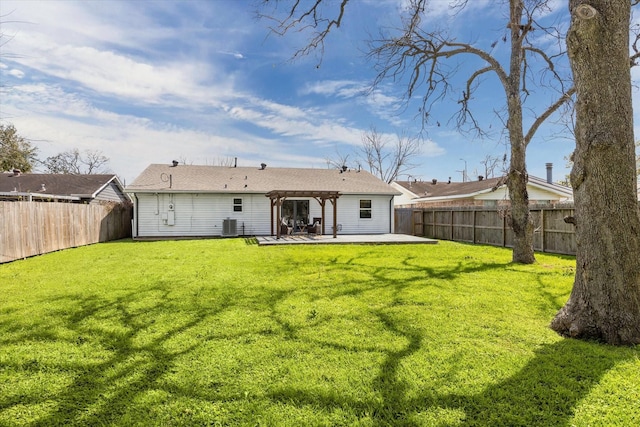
(391, 214)
(32, 196)
(135, 216)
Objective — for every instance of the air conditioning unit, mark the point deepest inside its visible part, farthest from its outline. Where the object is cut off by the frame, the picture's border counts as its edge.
(230, 227)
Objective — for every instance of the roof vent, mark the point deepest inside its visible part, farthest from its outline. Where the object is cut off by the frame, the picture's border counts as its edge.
(434, 181)
(263, 166)
(175, 163)
(480, 177)
(43, 188)
(17, 172)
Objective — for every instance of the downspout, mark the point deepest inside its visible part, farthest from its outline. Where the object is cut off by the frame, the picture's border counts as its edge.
(135, 215)
(391, 214)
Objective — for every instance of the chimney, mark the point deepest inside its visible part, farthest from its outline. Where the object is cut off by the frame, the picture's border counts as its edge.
(549, 173)
(175, 163)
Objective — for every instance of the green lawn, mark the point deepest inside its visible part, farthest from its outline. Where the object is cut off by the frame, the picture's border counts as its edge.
(223, 332)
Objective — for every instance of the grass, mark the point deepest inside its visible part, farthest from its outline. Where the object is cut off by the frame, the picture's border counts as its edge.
(223, 332)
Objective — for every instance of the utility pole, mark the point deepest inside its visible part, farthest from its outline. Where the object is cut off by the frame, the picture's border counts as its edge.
(465, 177)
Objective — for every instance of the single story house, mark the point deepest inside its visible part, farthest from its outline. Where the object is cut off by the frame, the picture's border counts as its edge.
(61, 188)
(199, 201)
(490, 192)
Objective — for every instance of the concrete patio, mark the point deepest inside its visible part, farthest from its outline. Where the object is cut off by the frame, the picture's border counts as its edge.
(375, 239)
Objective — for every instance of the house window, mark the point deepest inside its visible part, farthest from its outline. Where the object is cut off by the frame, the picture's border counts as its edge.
(365, 209)
(237, 205)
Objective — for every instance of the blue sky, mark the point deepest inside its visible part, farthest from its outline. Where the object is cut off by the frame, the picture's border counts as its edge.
(202, 81)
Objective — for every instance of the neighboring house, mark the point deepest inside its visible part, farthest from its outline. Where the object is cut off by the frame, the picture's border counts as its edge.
(486, 192)
(193, 201)
(61, 188)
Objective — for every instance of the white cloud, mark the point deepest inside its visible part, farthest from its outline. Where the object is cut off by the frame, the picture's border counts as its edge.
(431, 148)
(114, 76)
(16, 73)
(340, 88)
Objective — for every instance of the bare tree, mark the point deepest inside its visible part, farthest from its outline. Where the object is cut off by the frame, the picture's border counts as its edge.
(605, 299)
(339, 161)
(75, 162)
(227, 161)
(387, 160)
(426, 58)
(491, 163)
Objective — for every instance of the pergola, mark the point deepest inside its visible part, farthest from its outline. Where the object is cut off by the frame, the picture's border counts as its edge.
(279, 196)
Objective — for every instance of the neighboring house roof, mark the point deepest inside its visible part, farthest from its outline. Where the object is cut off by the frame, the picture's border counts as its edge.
(423, 191)
(223, 179)
(62, 186)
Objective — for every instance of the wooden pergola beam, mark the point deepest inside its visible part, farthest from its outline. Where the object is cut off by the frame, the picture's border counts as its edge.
(278, 196)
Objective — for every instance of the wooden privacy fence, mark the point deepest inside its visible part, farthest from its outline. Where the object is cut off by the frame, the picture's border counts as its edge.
(489, 226)
(33, 228)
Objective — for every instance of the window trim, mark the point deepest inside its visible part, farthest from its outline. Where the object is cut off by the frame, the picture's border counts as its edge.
(238, 207)
(365, 209)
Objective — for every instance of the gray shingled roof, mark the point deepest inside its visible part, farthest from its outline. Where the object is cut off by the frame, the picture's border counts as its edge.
(223, 179)
(445, 189)
(424, 189)
(55, 184)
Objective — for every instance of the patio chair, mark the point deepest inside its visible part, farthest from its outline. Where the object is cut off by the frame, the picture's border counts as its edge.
(285, 229)
(316, 227)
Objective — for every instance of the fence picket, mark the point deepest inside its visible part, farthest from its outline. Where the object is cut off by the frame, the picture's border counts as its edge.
(34, 228)
(489, 226)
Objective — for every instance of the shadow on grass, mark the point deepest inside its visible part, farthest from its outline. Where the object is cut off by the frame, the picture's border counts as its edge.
(102, 388)
(545, 392)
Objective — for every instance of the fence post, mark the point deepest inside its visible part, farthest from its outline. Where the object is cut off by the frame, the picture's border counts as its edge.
(451, 224)
(474, 226)
(542, 228)
(504, 231)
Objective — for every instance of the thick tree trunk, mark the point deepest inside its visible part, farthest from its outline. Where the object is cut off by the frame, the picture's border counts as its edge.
(519, 217)
(605, 300)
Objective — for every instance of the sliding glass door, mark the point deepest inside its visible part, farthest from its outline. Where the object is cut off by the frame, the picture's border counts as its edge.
(296, 214)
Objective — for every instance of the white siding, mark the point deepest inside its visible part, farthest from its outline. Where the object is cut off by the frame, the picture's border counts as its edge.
(535, 194)
(200, 214)
(500, 194)
(349, 215)
(406, 198)
(203, 214)
(111, 193)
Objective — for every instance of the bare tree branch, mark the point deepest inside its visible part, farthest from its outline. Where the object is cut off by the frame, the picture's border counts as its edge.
(77, 163)
(548, 112)
(339, 161)
(385, 162)
(425, 58)
(303, 15)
